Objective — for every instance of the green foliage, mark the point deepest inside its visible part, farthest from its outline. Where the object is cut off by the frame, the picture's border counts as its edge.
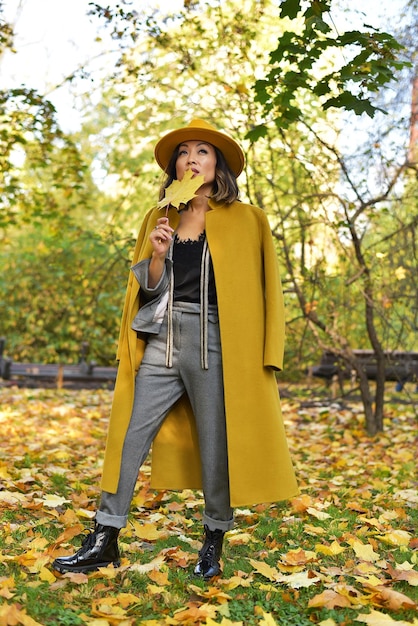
(6, 32)
(37, 161)
(59, 289)
(64, 256)
(296, 68)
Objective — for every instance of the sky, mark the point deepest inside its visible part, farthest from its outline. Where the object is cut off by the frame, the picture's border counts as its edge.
(54, 37)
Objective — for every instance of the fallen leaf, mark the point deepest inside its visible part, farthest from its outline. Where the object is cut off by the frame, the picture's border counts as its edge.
(268, 620)
(375, 618)
(404, 572)
(299, 579)
(331, 550)
(394, 600)
(271, 573)
(301, 503)
(10, 615)
(240, 539)
(53, 501)
(329, 599)
(364, 551)
(143, 568)
(396, 538)
(69, 533)
(149, 532)
(159, 577)
(46, 575)
(299, 557)
(321, 515)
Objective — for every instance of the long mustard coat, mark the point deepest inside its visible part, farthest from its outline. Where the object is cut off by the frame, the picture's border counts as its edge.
(251, 317)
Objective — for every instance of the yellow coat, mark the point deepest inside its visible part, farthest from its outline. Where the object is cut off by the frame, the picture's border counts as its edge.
(251, 318)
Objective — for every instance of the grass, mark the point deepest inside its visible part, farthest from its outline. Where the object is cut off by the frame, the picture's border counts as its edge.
(355, 493)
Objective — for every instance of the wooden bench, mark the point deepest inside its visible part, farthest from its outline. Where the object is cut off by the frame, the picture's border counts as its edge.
(401, 367)
(38, 374)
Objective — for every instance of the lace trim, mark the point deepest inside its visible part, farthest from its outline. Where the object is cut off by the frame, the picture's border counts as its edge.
(189, 241)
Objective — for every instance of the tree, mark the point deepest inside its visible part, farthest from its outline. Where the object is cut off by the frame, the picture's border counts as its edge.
(61, 288)
(202, 61)
(361, 63)
(32, 141)
(57, 266)
(357, 216)
(298, 174)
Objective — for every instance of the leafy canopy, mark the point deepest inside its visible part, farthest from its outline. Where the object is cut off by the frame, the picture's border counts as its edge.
(363, 63)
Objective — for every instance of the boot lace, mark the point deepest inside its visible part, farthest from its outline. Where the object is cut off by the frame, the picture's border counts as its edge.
(88, 540)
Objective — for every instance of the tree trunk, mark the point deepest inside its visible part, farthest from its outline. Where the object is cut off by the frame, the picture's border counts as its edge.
(380, 392)
(367, 400)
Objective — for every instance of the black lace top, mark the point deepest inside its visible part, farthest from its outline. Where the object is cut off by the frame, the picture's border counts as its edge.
(187, 256)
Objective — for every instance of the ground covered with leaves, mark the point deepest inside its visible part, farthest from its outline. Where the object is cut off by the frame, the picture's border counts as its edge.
(343, 552)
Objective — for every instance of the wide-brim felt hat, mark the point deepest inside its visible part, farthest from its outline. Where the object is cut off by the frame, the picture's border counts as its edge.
(199, 130)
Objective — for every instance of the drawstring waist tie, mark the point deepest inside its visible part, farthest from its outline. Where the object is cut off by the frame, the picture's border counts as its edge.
(203, 309)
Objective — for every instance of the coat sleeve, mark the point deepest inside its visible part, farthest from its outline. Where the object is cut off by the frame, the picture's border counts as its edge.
(274, 302)
(132, 287)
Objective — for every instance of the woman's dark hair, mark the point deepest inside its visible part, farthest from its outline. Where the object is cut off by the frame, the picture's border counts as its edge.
(225, 186)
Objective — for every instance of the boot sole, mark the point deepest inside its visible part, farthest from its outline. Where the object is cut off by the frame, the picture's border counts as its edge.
(83, 569)
(205, 576)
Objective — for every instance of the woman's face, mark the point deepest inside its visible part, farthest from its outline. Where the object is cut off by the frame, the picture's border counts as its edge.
(200, 157)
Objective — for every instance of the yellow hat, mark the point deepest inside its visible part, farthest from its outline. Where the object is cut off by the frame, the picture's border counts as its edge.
(199, 130)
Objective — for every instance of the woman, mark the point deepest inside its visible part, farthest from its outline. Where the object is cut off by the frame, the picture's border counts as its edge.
(202, 335)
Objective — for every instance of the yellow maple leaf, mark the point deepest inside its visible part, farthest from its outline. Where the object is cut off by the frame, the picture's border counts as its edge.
(332, 550)
(236, 581)
(46, 575)
(154, 590)
(369, 581)
(268, 620)
(181, 191)
(396, 538)
(159, 577)
(125, 599)
(149, 531)
(265, 569)
(240, 539)
(52, 500)
(364, 551)
(299, 579)
(318, 514)
(376, 618)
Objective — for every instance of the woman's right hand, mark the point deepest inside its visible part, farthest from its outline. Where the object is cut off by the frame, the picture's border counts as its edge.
(161, 237)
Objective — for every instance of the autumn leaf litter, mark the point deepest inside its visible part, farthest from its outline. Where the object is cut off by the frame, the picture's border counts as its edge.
(346, 546)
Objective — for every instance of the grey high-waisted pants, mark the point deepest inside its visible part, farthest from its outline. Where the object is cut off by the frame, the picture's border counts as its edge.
(157, 388)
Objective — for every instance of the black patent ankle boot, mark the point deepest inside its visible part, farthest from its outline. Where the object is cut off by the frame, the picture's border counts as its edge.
(99, 549)
(209, 555)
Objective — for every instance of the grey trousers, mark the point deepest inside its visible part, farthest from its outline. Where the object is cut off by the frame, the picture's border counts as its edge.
(157, 388)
